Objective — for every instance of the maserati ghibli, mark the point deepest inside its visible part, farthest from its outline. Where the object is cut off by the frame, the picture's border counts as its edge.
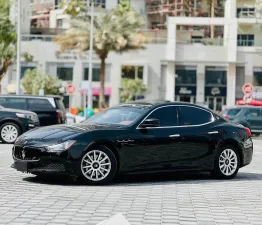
(139, 137)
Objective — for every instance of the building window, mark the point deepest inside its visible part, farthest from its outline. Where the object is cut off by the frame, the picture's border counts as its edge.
(95, 74)
(25, 68)
(257, 78)
(216, 77)
(245, 39)
(59, 23)
(132, 72)
(65, 73)
(186, 75)
(245, 12)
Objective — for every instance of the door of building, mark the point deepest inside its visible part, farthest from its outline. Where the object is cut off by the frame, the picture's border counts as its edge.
(215, 103)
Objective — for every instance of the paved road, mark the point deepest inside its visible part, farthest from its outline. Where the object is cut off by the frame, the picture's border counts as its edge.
(184, 199)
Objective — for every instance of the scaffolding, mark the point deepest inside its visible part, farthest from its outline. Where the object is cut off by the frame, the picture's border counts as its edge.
(159, 10)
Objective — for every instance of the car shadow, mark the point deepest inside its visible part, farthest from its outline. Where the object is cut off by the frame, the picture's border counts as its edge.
(145, 179)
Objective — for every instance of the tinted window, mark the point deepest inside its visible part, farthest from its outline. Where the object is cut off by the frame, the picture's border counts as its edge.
(39, 104)
(253, 112)
(233, 112)
(13, 103)
(194, 116)
(166, 115)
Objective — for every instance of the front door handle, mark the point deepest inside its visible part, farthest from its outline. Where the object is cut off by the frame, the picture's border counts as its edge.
(174, 135)
(213, 132)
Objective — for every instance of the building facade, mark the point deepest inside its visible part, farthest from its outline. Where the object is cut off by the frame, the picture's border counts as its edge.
(191, 57)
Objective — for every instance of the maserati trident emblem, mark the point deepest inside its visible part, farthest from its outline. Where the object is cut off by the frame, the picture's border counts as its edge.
(23, 154)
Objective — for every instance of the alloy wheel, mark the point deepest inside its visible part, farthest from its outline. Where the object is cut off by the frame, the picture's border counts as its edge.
(228, 162)
(96, 165)
(9, 133)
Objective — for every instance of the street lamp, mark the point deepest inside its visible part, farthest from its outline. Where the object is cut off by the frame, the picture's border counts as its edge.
(90, 66)
(18, 56)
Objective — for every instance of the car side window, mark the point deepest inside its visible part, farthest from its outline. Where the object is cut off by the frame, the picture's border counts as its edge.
(166, 115)
(39, 104)
(193, 116)
(13, 103)
(253, 112)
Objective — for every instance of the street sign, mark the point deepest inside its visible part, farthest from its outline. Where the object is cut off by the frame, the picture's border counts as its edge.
(247, 88)
(70, 89)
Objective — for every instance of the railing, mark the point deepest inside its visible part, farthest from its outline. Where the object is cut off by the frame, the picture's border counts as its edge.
(46, 31)
(249, 43)
(154, 36)
(203, 41)
(246, 14)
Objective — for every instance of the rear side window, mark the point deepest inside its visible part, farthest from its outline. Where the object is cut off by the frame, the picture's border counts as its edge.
(166, 115)
(13, 103)
(233, 112)
(39, 104)
(253, 112)
(59, 104)
(194, 116)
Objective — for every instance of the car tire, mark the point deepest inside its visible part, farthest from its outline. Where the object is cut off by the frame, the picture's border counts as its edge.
(98, 165)
(9, 132)
(227, 162)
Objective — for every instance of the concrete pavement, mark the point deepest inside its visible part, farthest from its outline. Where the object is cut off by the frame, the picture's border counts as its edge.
(184, 199)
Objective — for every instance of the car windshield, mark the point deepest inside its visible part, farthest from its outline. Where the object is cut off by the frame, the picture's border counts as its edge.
(120, 115)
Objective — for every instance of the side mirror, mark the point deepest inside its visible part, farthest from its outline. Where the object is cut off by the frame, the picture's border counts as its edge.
(150, 123)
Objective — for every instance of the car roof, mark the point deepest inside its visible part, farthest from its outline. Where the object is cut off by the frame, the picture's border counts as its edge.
(244, 107)
(32, 96)
(158, 103)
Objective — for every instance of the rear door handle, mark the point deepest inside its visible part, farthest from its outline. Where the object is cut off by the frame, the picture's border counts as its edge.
(174, 135)
(213, 132)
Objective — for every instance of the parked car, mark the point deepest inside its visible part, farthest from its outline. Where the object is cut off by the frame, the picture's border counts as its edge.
(248, 116)
(15, 122)
(50, 109)
(137, 138)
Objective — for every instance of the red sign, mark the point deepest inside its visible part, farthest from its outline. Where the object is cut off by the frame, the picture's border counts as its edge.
(70, 89)
(247, 88)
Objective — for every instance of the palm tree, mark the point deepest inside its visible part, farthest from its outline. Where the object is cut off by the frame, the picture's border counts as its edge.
(114, 31)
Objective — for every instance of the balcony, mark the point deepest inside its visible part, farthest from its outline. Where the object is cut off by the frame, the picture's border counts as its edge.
(154, 36)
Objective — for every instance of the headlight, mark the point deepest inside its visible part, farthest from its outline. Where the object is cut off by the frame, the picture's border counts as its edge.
(22, 115)
(60, 147)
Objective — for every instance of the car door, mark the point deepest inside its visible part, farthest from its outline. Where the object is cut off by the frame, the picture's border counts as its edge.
(154, 148)
(253, 117)
(198, 137)
(47, 114)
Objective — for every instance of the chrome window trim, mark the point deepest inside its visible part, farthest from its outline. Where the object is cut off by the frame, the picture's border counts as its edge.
(198, 125)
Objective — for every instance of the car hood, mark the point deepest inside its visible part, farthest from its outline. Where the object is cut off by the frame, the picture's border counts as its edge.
(16, 111)
(57, 133)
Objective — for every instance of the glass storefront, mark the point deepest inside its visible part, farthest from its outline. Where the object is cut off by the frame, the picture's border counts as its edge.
(185, 85)
(215, 87)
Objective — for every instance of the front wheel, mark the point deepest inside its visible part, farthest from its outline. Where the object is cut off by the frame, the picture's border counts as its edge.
(9, 132)
(226, 163)
(99, 165)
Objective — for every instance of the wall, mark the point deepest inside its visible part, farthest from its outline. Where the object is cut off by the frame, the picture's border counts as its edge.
(245, 3)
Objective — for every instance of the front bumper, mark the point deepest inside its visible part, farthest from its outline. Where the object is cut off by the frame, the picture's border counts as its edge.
(247, 152)
(39, 161)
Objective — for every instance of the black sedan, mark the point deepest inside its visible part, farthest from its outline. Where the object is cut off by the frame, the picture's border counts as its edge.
(137, 138)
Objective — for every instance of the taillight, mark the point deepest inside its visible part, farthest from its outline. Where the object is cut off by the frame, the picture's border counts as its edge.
(58, 116)
(226, 116)
(248, 131)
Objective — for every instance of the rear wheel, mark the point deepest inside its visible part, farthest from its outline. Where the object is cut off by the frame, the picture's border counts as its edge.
(99, 165)
(226, 163)
(9, 132)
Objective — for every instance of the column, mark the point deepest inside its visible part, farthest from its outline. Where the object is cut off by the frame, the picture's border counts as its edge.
(200, 98)
(171, 40)
(170, 81)
(77, 78)
(115, 83)
(249, 69)
(231, 85)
